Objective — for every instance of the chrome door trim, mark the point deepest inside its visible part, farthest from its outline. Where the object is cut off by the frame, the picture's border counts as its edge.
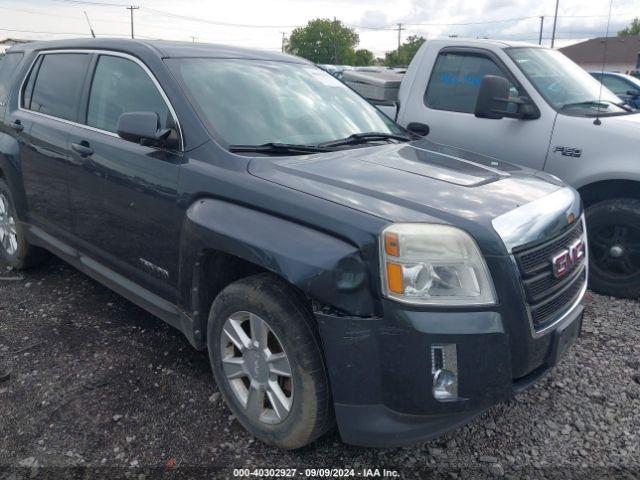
(111, 53)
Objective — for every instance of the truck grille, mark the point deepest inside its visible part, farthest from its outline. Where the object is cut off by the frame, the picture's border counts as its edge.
(549, 297)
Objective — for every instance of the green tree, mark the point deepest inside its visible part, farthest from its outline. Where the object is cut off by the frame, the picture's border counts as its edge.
(403, 55)
(324, 41)
(633, 29)
(364, 58)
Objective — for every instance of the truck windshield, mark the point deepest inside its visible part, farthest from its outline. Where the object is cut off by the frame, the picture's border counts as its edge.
(564, 84)
(258, 102)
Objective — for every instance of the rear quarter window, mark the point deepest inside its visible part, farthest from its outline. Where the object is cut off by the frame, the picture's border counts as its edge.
(8, 69)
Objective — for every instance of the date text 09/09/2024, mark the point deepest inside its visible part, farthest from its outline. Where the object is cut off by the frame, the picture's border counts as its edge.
(315, 472)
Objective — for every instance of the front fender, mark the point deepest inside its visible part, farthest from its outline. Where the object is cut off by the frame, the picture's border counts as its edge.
(326, 268)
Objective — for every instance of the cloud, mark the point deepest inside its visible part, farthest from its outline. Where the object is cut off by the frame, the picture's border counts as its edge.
(374, 19)
(579, 19)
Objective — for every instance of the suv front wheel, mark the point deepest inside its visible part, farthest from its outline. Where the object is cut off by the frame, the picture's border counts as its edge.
(267, 361)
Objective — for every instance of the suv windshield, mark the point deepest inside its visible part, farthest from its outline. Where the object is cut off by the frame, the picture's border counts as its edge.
(257, 102)
(564, 84)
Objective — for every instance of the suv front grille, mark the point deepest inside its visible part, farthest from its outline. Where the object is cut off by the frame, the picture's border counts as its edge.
(549, 297)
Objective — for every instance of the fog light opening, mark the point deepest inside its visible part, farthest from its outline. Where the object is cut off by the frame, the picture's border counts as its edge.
(444, 371)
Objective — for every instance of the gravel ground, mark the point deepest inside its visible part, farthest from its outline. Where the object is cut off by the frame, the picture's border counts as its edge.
(99, 388)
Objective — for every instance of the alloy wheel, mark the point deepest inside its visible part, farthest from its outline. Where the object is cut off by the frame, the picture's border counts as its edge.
(257, 368)
(8, 232)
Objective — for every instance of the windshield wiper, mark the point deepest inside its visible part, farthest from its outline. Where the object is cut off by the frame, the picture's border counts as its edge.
(588, 103)
(358, 138)
(278, 148)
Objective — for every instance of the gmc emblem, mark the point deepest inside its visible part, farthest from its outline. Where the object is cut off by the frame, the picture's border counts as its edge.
(564, 261)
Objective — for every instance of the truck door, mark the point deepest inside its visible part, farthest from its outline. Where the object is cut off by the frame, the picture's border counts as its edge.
(446, 99)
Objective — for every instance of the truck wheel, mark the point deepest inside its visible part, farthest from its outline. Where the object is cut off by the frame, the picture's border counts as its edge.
(267, 361)
(14, 248)
(614, 247)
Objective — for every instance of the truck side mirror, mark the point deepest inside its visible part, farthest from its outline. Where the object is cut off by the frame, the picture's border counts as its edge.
(418, 129)
(494, 99)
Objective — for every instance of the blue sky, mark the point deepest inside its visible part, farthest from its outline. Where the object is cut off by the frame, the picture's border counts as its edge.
(259, 23)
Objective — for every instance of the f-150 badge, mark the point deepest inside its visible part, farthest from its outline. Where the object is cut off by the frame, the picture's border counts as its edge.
(568, 151)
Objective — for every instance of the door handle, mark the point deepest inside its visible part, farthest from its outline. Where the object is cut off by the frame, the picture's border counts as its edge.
(82, 148)
(17, 125)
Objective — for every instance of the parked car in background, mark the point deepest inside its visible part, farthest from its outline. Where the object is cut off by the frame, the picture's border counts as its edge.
(626, 87)
(536, 107)
(335, 70)
(335, 271)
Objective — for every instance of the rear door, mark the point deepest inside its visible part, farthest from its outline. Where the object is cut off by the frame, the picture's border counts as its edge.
(447, 105)
(48, 106)
(123, 194)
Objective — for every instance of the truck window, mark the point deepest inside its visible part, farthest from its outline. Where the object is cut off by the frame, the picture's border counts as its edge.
(615, 84)
(120, 86)
(455, 81)
(57, 85)
(8, 65)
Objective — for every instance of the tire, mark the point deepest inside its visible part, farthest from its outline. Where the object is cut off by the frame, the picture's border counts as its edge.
(248, 306)
(614, 247)
(14, 247)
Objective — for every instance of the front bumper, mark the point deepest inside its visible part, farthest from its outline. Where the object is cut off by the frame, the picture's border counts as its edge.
(380, 369)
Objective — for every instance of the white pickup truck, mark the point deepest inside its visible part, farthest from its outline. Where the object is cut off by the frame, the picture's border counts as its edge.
(535, 107)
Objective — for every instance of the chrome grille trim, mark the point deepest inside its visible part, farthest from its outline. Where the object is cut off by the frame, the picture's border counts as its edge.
(576, 280)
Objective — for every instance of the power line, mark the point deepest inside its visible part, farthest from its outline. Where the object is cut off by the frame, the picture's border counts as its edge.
(39, 13)
(48, 33)
(87, 2)
(213, 22)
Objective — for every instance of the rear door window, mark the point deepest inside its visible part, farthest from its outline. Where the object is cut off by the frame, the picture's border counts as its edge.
(57, 85)
(8, 69)
(455, 81)
(122, 86)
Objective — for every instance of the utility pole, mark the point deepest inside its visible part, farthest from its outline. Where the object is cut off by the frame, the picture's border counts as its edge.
(335, 42)
(555, 20)
(193, 39)
(93, 34)
(400, 28)
(283, 39)
(131, 8)
(541, 28)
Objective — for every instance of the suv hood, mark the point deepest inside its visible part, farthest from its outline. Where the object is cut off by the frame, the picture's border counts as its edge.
(412, 182)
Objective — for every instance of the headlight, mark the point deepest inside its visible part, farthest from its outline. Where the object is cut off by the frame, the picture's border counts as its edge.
(429, 264)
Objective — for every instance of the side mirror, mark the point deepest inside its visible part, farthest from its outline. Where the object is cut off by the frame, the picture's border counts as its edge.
(143, 128)
(494, 99)
(418, 129)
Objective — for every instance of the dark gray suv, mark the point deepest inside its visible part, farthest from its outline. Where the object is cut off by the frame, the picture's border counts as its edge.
(336, 270)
